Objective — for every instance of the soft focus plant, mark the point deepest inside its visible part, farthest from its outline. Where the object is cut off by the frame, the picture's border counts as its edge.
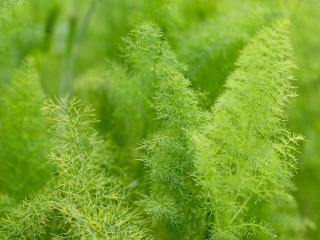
(164, 119)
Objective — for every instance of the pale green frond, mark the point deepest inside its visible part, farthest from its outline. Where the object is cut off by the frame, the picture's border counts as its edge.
(246, 153)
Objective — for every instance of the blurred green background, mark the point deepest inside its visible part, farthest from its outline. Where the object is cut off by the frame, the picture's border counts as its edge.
(75, 43)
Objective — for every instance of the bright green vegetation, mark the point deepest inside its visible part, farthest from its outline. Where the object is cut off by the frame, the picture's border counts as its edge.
(165, 119)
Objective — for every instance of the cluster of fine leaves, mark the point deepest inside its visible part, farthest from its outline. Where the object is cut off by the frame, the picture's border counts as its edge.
(246, 154)
(162, 119)
(24, 141)
(83, 203)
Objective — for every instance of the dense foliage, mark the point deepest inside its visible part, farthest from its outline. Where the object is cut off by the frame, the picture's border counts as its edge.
(164, 119)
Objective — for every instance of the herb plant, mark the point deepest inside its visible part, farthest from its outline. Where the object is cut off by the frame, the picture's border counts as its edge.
(158, 120)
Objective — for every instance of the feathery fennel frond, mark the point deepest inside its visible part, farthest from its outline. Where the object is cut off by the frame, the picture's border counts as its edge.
(23, 142)
(127, 89)
(171, 202)
(84, 203)
(246, 154)
(149, 159)
(28, 221)
(123, 93)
